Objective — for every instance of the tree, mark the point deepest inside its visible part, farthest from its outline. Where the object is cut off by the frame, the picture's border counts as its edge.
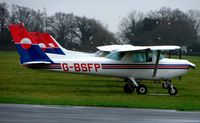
(102, 37)
(62, 26)
(33, 20)
(5, 39)
(194, 15)
(92, 33)
(85, 30)
(130, 27)
(4, 15)
(163, 27)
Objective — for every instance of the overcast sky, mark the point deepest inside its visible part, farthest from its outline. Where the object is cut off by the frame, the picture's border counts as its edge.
(108, 12)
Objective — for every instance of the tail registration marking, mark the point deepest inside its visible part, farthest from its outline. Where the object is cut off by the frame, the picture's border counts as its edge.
(81, 67)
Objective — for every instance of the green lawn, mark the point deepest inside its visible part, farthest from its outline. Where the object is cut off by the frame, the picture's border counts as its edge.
(22, 85)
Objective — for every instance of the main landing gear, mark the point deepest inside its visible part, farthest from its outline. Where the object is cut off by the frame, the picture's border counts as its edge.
(133, 85)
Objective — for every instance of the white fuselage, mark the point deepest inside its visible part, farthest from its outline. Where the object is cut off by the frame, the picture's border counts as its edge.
(124, 68)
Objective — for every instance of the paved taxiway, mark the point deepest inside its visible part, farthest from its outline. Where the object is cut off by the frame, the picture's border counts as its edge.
(14, 113)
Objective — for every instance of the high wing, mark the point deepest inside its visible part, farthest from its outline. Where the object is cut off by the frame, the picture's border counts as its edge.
(110, 47)
(124, 48)
(164, 47)
(120, 48)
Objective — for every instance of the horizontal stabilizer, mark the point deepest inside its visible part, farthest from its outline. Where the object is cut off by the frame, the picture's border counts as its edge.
(36, 62)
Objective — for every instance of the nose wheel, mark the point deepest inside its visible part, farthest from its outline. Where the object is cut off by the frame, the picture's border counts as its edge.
(171, 89)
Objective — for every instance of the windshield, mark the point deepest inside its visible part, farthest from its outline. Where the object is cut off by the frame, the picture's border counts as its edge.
(116, 55)
(101, 53)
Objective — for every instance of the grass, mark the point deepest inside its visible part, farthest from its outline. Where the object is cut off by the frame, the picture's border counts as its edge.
(26, 86)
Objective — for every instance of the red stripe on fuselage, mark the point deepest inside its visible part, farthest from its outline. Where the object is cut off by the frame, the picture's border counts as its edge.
(43, 66)
(114, 66)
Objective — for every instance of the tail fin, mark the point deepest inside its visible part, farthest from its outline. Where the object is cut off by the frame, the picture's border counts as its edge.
(47, 41)
(27, 46)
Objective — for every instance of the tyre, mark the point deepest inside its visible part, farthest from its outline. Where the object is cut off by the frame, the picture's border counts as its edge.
(141, 89)
(173, 91)
(128, 88)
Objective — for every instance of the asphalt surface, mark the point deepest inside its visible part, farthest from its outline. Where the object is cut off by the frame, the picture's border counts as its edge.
(14, 113)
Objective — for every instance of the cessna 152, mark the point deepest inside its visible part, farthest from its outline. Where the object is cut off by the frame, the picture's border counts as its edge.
(133, 63)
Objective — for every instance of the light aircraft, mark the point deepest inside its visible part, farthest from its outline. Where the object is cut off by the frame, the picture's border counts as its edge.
(133, 63)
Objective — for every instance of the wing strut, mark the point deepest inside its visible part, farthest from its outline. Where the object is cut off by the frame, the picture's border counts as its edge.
(156, 65)
(180, 53)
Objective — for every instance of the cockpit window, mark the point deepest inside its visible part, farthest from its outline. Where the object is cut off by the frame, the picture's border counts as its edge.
(116, 55)
(142, 56)
(149, 56)
(139, 57)
(162, 55)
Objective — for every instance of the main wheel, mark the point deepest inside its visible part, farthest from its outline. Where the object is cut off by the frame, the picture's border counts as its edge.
(173, 91)
(141, 89)
(128, 88)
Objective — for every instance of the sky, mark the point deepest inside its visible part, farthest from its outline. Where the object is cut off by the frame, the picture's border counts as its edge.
(108, 12)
